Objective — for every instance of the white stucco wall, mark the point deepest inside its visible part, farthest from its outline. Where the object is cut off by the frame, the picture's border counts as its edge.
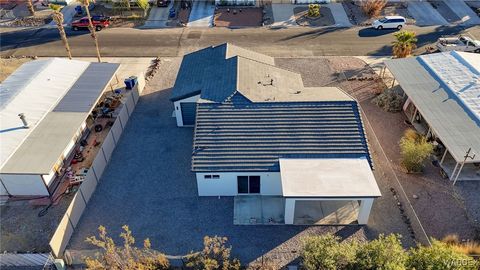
(178, 108)
(24, 184)
(226, 185)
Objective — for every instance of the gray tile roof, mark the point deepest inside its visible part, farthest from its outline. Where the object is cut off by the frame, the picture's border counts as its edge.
(244, 136)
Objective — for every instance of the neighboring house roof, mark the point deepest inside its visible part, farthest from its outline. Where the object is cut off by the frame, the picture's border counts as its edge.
(445, 88)
(33, 89)
(240, 135)
(328, 178)
(56, 100)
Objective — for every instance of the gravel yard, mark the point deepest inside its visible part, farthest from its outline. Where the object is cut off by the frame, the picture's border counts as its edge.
(238, 17)
(325, 18)
(148, 185)
(358, 17)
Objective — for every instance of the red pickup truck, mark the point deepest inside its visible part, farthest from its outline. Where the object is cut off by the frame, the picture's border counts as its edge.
(99, 22)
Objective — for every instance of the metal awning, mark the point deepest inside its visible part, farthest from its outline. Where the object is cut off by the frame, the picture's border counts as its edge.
(448, 117)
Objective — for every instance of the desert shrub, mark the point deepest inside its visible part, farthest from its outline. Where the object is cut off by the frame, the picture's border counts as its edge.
(382, 253)
(125, 257)
(440, 256)
(389, 100)
(313, 10)
(326, 252)
(414, 149)
(467, 248)
(215, 255)
(373, 8)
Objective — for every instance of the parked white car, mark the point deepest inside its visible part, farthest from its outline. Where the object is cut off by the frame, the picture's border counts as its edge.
(389, 22)
(458, 43)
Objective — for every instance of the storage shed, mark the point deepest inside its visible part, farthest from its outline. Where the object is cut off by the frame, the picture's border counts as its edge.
(55, 96)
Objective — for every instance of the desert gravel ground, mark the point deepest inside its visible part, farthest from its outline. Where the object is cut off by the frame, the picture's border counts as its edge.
(148, 185)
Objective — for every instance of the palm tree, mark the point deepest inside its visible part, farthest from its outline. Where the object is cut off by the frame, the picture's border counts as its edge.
(86, 3)
(30, 7)
(57, 17)
(404, 44)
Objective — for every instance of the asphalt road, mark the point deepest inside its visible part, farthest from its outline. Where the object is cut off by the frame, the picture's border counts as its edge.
(128, 42)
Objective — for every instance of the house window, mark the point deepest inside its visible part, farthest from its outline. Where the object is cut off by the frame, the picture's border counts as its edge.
(211, 176)
(248, 184)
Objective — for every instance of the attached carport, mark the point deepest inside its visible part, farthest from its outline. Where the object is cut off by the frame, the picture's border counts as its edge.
(443, 93)
(328, 190)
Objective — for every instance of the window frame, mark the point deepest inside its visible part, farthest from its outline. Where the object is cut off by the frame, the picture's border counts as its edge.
(249, 186)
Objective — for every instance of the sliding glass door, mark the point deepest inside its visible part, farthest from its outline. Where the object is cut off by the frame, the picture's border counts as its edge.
(248, 184)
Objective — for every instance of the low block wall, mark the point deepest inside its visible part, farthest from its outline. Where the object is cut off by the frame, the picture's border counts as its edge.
(72, 216)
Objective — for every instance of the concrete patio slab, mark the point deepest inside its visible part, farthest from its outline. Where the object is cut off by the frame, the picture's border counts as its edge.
(424, 14)
(201, 14)
(326, 212)
(257, 210)
(462, 10)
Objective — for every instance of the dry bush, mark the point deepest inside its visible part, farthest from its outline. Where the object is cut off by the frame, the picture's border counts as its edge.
(373, 8)
(414, 150)
(389, 100)
(468, 248)
(128, 256)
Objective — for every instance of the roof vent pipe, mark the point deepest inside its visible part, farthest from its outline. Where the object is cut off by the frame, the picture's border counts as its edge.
(24, 120)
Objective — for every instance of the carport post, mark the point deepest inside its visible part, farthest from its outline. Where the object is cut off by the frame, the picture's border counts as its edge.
(364, 211)
(444, 155)
(289, 210)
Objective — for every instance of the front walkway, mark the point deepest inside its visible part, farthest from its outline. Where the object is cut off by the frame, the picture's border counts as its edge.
(201, 14)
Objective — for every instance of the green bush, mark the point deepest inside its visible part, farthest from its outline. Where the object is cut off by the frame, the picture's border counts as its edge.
(384, 253)
(313, 10)
(414, 149)
(326, 252)
(215, 255)
(440, 256)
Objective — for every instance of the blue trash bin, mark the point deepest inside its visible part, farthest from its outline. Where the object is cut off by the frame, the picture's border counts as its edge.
(128, 83)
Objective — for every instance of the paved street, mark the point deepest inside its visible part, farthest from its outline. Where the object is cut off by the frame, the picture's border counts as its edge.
(128, 42)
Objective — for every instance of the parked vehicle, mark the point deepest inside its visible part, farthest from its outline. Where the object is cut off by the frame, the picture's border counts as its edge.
(163, 3)
(458, 43)
(98, 21)
(391, 22)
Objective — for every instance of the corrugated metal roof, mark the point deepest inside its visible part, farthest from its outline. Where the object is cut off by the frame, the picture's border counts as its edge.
(33, 89)
(245, 136)
(83, 95)
(44, 146)
(455, 125)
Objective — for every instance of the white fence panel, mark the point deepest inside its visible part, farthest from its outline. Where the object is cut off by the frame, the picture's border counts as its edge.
(117, 131)
(99, 164)
(123, 115)
(130, 105)
(76, 207)
(88, 185)
(60, 238)
(108, 146)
